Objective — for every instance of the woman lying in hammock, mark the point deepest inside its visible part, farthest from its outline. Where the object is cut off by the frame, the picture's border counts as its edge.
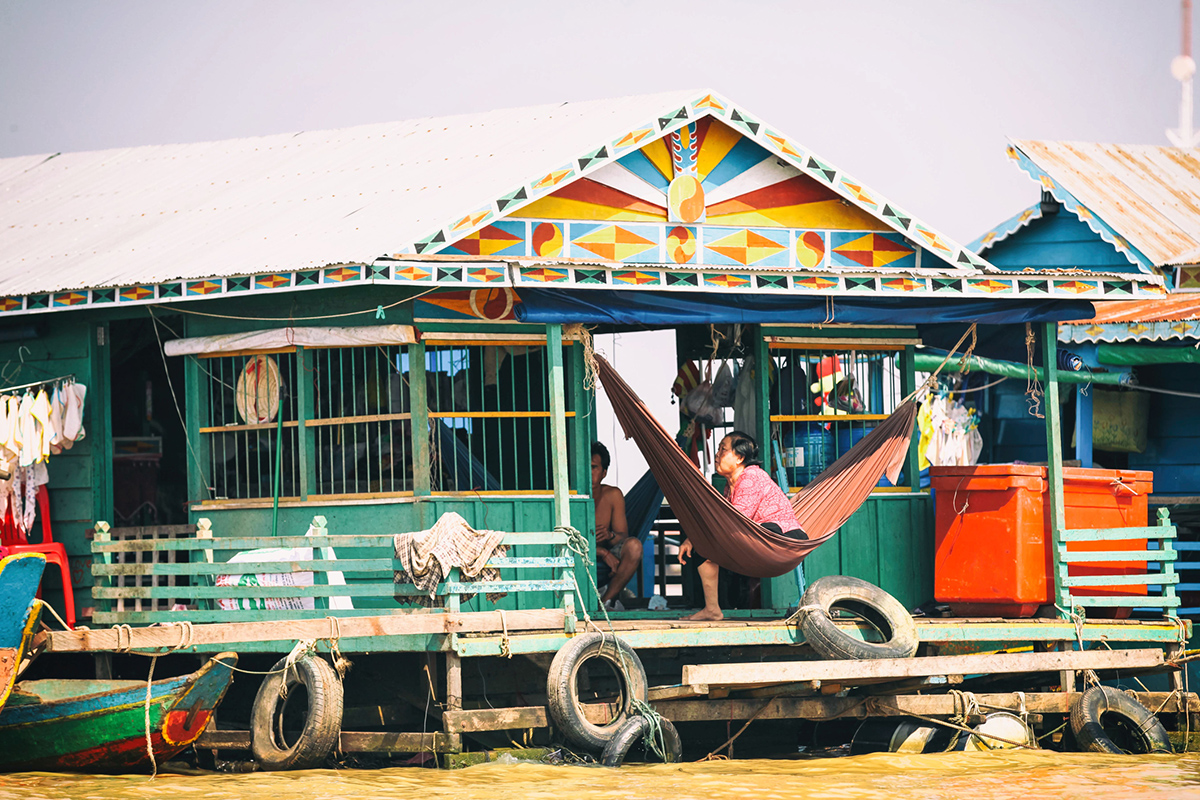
(751, 491)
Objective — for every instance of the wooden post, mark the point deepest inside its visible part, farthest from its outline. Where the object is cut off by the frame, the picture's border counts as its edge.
(307, 436)
(195, 409)
(454, 688)
(559, 456)
(1057, 510)
(419, 405)
(558, 426)
(100, 534)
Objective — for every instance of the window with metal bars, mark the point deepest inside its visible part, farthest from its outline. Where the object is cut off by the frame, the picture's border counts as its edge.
(339, 420)
(361, 421)
(489, 410)
(245, 399)
(825, 397)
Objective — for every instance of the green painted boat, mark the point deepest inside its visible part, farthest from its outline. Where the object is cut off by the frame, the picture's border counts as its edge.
(20, 611)
(77, 725)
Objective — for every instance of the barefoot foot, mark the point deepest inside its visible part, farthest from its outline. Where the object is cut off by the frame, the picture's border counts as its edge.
(706, 615)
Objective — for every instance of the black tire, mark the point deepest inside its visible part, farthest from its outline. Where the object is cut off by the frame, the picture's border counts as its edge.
(563, 694)
(634, 729)
(322, 719)
(873, 604)
(1106, 720)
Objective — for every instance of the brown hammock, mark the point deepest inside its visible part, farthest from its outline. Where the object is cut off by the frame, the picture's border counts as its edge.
(723, 534)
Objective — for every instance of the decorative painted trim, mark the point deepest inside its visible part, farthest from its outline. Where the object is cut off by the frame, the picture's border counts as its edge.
(1187, 279)
(1007, 228)
(444, 272)
(1087, 332)
(1085, 214)
(708, 104)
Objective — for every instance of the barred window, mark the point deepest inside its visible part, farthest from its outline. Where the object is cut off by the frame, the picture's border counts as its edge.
(243, 399)
(347, 420)
(489, 409)
(825, 397)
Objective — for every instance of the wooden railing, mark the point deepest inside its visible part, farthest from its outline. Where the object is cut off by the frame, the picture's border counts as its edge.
(136, 575)
(1159, 570)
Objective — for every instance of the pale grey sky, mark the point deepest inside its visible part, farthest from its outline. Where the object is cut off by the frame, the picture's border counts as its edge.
(913, 98)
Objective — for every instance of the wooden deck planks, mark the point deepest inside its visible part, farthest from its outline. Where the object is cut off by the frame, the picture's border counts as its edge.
(848, 672)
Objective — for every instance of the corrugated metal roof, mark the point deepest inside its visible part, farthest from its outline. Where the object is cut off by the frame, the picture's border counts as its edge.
(1167, 309)
(283, 202)
(1149, 196)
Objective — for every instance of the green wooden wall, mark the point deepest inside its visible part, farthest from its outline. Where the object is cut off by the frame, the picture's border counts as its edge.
(80, 490)
(888, 542)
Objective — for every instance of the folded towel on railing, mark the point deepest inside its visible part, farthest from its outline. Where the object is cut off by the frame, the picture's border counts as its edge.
(426, 557)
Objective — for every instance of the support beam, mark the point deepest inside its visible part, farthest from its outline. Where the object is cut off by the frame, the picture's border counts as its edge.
(749, 674)
(419, 405)
(558, 425)
(351, 742)
(1057, 511)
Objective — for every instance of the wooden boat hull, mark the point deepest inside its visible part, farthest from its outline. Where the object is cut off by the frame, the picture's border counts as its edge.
(20, 611)
(100, 726)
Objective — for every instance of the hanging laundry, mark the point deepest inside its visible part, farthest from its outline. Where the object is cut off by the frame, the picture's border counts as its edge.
(949, 432)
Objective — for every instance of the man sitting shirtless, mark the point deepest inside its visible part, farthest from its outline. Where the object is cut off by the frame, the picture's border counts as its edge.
(614, 546)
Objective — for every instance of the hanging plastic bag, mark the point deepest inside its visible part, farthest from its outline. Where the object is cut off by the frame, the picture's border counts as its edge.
(724, 386)
(700, 406)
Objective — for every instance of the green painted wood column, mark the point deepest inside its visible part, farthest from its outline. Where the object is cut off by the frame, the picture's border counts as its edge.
(196, 412)
(1057, 509)
(560, 455)
(419, 406)
(558, 426)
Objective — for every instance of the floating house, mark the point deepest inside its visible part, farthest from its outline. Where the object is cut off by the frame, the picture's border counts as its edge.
(1134, 209)
(314, 341)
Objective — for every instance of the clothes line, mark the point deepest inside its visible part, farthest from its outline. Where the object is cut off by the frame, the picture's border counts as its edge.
(8, 389)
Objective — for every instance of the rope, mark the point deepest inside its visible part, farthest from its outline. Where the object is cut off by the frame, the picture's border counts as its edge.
(979, 737)
(576, 330)
(932, 379)
(730, 740)
(201, 469)
(505, 644)
(1033, 387)
(374, 310)
(578, 543)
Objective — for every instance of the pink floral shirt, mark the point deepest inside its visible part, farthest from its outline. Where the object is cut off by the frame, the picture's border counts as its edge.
(761, 499)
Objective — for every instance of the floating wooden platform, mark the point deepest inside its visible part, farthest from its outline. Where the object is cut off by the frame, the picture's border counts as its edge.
(487, 633)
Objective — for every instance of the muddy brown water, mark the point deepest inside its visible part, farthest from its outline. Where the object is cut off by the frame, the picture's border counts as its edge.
(969, 776)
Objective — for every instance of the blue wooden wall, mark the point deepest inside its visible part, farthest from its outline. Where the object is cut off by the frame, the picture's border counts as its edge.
(1057, 240)
(1173, 446)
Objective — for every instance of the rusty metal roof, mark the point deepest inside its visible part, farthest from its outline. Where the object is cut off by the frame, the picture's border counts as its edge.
(1144, 199)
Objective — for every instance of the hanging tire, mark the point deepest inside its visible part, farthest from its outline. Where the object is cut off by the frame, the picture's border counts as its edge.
(562, 691)
(1106, 720)
(634, 729)
(873, 604)
(322, 716)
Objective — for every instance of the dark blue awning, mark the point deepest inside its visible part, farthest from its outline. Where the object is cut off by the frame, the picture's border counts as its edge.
(616, 307)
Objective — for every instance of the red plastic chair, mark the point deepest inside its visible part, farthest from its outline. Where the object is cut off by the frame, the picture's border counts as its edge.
(55, 553)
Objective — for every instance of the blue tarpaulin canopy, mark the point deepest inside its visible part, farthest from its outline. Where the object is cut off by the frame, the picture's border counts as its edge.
(616, 307)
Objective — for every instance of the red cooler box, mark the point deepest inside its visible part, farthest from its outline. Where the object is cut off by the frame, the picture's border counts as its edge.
(993, 538)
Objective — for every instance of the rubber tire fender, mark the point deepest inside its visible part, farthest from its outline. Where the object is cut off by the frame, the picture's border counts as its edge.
(562, 693)
(634, 729)
(1089, 709)
(866, 599)
(322, 722)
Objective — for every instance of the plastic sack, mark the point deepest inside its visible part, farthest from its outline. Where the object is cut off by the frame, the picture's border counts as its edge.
(700, 406)
(724, 385)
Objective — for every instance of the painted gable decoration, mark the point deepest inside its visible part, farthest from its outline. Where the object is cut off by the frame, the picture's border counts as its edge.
(708, 192)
